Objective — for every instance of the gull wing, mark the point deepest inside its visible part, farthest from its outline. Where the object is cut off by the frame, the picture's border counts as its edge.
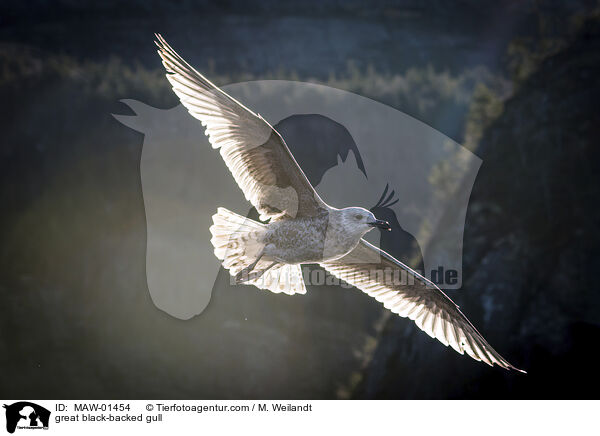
(253, 150)
(379, 275)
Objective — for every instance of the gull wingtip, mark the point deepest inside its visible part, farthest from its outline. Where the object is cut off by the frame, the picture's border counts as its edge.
(160, 41)
(511, 367)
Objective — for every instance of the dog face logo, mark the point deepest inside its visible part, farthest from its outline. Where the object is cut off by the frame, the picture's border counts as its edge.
(26, 415)
(355, 151)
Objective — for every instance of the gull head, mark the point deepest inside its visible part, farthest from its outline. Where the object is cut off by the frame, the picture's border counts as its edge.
(359, 220)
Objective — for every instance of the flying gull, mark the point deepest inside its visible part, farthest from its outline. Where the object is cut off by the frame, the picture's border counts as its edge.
(301, 227)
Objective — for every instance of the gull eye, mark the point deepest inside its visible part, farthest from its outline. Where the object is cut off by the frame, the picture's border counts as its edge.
(358, 217)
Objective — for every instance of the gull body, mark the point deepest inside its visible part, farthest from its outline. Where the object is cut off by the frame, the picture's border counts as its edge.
(304, 240)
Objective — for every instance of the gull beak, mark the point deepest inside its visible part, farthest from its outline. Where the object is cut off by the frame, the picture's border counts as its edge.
(384, 225)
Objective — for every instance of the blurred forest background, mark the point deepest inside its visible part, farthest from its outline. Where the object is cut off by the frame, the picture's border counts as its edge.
(516, 82)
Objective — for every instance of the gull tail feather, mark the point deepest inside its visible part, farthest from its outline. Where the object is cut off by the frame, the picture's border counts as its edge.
(237, 240)
(238, 243)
